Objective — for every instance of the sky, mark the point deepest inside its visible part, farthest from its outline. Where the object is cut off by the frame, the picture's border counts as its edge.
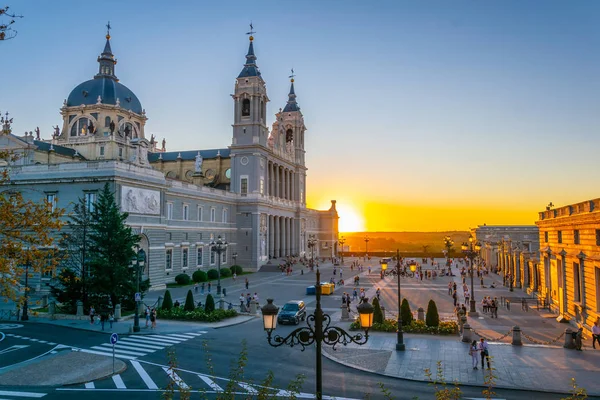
(421, 115)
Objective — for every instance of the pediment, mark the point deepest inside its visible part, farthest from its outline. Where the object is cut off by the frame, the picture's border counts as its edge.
(12, 142)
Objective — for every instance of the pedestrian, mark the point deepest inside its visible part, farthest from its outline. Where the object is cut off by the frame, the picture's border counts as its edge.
(247, 283)
(102, 319)
(378, 294)
(524, 306)
(196, 287)
(495, 308)
(242, 299)
(595, 334)
(209, 286)
(484, 351)
(255, 297)
(355, 295)
(474, 353)
(454, 298)
(234, 276)
(202, 288)
(147, 315)
(111, 319)
(369, 270)
(578, 337)
(341, 272)
(248, 300)
(153, 318)
(449, 288)
(92, 313)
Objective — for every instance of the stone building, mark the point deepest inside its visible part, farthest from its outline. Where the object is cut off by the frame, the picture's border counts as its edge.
(251, 193)
(570, 261)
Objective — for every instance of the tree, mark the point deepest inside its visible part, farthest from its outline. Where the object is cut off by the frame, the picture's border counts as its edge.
(209, 306)
(7, 19)
(27, 230)
(189, 302)
(66, 288)
(167, 301)
(432, 318)
(111, 250)
(405, 312)
(377, 313)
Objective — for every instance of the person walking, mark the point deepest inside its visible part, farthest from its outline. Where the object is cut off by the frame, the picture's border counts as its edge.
(111, 319)
(196, 287)
(234, 276)
(248, 300)
(355, 294)
(147, 315)
(484, 351)
(247, 283)
(242, 300)
(474, 353)
(454, 298)
(595, 334)
(92, 313)
(153, 318)
(209, 286)
(449, 288)
(495, 307)
(202, 288)
(102, 319)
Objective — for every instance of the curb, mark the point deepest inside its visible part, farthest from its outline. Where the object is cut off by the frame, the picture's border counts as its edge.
(236, 323)
(334, 359)
(117, 371)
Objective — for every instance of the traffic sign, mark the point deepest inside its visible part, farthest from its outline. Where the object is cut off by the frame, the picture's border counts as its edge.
(138, 297)
(114, 338)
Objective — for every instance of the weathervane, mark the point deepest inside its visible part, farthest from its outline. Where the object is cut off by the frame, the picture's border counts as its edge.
(252, 31)
(108, 30)
(292, 75)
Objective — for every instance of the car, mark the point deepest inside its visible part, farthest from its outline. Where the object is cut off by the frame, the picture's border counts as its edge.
(293, 312)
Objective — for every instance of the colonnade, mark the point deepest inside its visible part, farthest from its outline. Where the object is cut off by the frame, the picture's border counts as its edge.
(281, 182)
(283, 236)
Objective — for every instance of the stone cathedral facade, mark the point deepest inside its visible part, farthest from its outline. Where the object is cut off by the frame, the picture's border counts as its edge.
(252, 193)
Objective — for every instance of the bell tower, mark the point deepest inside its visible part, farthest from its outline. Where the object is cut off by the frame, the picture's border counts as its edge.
(292, 122)
(250, 104)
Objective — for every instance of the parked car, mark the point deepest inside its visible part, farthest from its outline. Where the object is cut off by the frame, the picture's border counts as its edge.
(292, 312)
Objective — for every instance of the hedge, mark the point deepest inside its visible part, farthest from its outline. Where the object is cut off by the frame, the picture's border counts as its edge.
(189, 302)
(225, 273)
(236, 269)
(377, 313)
(391, 325)
(197, 315)
(213, 274)
(167, 301)
(405, 312)
(209, 305)
(199, 276)
(182, 279)
(433, 317)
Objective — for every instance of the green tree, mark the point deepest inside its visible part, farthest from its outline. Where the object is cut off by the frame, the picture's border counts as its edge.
(377, 313)
(167, 301)
(112, 249)
(210, 304)
(67, 288)
(405, 312)
(432, 318)
(189, 302)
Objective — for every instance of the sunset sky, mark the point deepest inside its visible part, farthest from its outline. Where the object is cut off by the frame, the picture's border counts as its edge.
(421, 115)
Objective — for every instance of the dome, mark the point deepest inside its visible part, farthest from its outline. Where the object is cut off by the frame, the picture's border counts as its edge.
(109, 90)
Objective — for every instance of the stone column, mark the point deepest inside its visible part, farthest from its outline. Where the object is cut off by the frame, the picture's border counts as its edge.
(518, 269)
(581, 257)
(276, 236)
(276, 167)
(289, 235)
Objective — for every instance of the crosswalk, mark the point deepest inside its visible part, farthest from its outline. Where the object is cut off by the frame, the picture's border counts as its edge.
(132, 347)
(10, 394)
(142, 376)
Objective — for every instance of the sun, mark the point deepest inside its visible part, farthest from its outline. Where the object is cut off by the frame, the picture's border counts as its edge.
(350, 219)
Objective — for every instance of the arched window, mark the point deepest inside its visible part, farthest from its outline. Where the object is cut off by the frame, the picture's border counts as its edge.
(246, 108)
(80, 127)
(289, 135)
(107, 122)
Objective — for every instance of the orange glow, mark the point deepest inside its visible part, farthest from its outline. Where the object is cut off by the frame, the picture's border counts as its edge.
(350, 219)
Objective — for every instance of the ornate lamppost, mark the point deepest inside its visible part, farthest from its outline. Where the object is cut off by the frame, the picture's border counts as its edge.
(219, 247)
(397, 272)
(139, 261)
(317, 331)
(471, 251)
(234, 256)
(341, 242)
(312, 242)
(367, 246)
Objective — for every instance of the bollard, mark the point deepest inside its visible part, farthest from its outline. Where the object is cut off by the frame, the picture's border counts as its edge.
(224, 292)
(421, 314)
(466, 334)
(569, 342)
(463, 321)
(508, 305)
(118, 312)
(221, 304)
(302, 271)
(383, 312)
(79, 308)
(516, 336)
(159, 302)
(253, 307)
(345, 314)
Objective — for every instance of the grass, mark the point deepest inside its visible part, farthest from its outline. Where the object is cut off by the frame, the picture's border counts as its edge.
(177, 285)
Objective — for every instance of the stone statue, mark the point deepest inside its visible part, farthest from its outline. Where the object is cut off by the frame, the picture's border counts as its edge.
(164, 144)
(118, 102)
(112, 127)
(56, 131)
(127, 131)
(91, 128)
(198, 163)
(99, 100)
(37, 133)
(152, 141)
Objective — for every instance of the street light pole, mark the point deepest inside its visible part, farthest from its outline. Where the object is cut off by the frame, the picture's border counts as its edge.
(219, 247)
(24, 316)
(367, 246)
(312, 241)
(342, 241)
(471, 253)
(400, 333)
(234, 256)
(140, 260)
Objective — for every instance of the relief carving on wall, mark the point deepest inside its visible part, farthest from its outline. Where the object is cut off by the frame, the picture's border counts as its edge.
(140, 201)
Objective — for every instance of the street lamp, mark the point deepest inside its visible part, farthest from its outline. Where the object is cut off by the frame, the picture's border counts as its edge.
(24, 316)
(367, 246)
(140, 260)
(318, 331)
(471, 251)
(234, 256)
(397, 271)
(218, 247)
(312, 242)
(342, 241)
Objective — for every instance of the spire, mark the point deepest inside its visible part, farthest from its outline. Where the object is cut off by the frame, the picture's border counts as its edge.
(250, 67)
(291, 103)
(107, 59)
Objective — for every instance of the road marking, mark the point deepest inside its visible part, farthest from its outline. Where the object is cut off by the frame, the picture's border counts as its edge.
(52, 343)
(119, 382)
(42, 341)
(249, 388)
(144, 375)
(181, 336)
(21, 394)
(176, 378)
(90, 385)
(126, 346)
(13, 348)
(155, 346)
(151, 341)
(211, 383)
(100, 353)
(166, 339)
(109, 352)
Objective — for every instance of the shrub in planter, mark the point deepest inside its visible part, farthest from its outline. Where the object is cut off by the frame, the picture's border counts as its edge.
(236, 269)
(377, 313)
(212, 274)
(225, 273)
(182, 279)
(432, 318)
(199, 276)
(189, 302)
(405, 312)
(209, 306)
(167, 301)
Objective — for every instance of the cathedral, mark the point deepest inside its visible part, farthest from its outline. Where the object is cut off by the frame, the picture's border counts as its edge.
(251, 193)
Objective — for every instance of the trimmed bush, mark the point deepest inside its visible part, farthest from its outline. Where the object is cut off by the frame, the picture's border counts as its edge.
(377, 314)
(182, 279)
(390, 325)
(189, 302)
(225, 273)
(196, 315)
(432, 318)
(236, 269)
(167, 301)
(212, 274)
(199, 276)
(209, 306)
(405, 312)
